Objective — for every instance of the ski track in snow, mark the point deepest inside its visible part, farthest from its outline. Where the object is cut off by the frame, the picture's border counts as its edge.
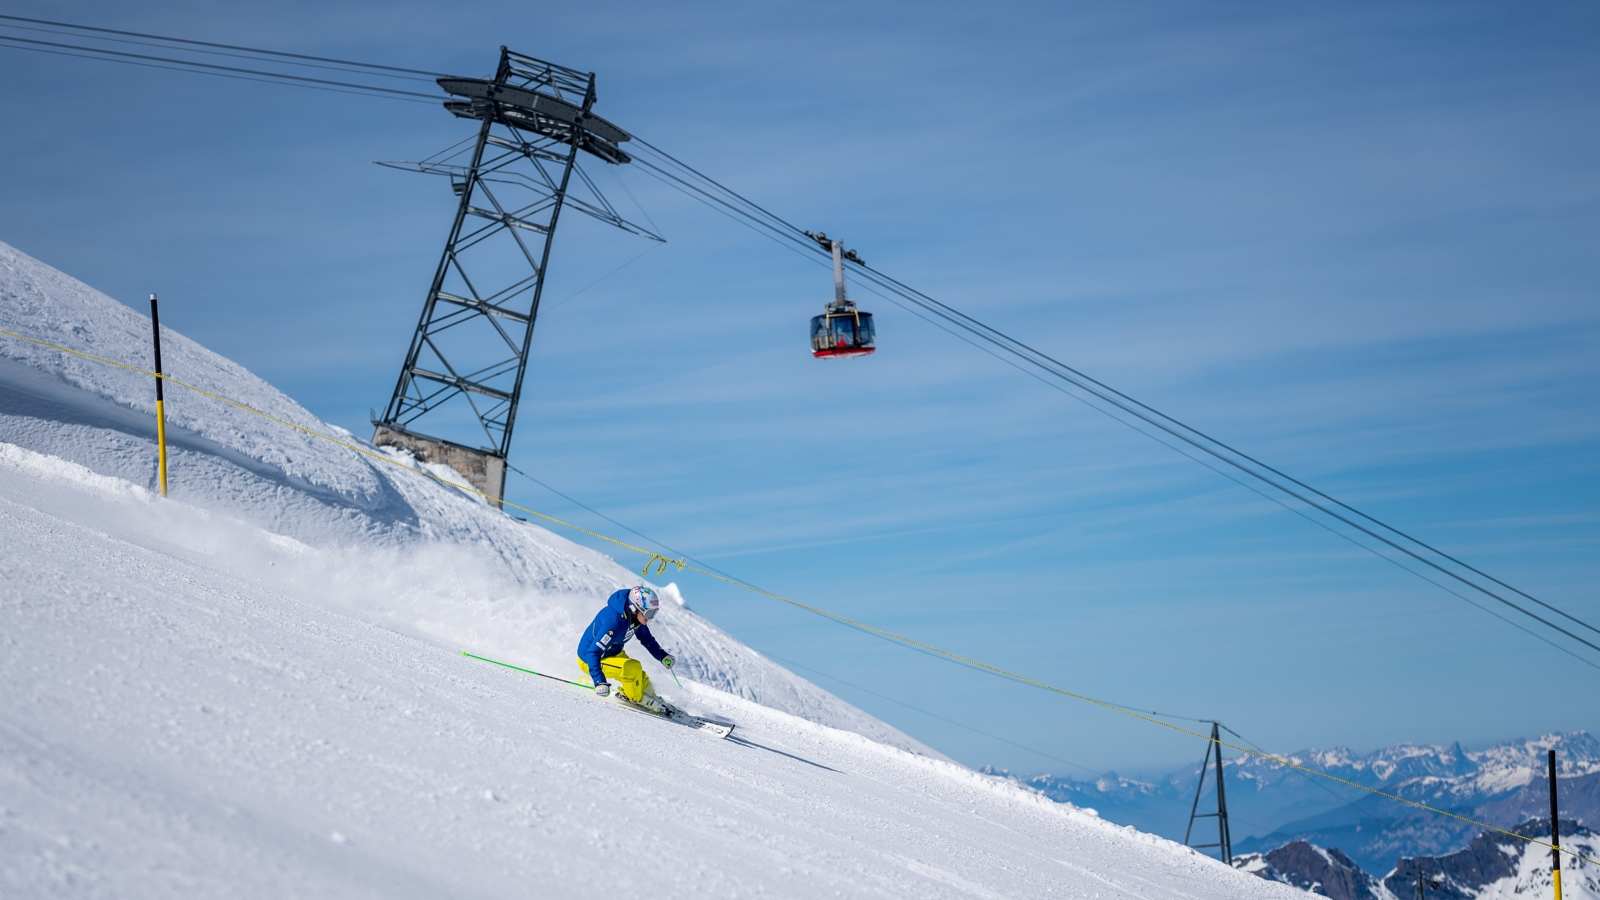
(252, 689)
(177, 729)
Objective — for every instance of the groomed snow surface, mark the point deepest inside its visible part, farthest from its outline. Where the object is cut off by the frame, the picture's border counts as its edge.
(254, 688)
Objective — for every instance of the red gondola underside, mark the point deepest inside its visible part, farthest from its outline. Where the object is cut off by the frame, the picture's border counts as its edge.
(837, 352)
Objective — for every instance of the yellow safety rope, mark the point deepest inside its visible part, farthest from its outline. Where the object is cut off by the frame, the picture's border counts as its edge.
(661, 563)
(894, 637)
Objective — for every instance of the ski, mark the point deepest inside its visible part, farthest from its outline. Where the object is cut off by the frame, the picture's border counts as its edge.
(679, 717)
(672, 713)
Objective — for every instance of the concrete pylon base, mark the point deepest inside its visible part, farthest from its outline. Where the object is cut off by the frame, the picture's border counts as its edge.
(483, 470)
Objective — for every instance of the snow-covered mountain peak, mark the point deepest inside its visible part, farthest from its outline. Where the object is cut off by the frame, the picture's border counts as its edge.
(1496, 768)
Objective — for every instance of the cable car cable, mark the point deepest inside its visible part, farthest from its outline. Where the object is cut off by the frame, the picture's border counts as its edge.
(1110, 395)
(1253, 460)
(1072, 375)
(203, 67)
(253, 57)
(786, 229)
(142, 65)
(1057, 385)
(259, 50)
(1131, 410)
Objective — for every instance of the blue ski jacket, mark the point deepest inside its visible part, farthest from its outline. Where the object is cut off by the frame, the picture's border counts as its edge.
(611, 628)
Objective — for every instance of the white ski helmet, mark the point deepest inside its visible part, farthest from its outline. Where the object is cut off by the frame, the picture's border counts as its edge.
(643, 599)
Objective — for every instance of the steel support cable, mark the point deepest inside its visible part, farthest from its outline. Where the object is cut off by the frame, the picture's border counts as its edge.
(126, 62)
(790, 228)
(1279, 501)
(1114, 398)
(1077, 373)
(724, 188)
(779, 231)
(623, 183)
(1135, 409)
(1047, 361)
(370, 90)
(252, 57)
(258, 50)
(204, 68)
(786, 229)
(1152, 417)
(1148, 716)
(807, 248)
(1061, 369)
(569, 298)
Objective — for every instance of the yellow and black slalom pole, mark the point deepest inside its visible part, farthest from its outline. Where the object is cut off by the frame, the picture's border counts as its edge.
(161, 412)
(1555, 828)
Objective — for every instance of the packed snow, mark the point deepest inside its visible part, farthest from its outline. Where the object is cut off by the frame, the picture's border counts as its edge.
(253, 688)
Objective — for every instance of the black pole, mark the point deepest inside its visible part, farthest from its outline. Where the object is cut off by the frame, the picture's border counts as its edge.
(161, 412)
(1555, 828)
(155, 334)
(1223, 835)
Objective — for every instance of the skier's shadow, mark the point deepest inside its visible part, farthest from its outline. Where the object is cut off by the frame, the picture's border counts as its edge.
(744, 742)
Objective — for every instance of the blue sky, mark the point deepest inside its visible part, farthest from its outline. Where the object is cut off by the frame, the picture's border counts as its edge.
(1358, 240)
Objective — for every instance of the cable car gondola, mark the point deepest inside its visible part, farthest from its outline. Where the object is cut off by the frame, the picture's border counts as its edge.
(842, 330)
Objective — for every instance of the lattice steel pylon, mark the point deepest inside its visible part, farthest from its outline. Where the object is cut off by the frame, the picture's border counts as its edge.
(1224, 842)
(472, 341)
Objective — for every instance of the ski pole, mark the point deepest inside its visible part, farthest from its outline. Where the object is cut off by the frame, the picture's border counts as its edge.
(578, 684)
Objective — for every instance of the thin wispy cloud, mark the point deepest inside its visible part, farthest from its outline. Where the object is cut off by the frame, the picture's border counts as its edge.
(1353, 240)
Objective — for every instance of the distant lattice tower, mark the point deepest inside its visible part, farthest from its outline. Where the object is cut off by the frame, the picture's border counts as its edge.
(463, 372)
(1224, 841)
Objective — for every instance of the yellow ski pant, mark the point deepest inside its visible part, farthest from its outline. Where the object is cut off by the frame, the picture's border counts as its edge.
(626, 672)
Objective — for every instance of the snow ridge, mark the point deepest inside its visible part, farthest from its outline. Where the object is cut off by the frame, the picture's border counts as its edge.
(369, 538)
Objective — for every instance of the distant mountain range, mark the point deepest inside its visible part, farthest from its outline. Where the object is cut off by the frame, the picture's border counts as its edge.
(1271, 805)
(1491, 867)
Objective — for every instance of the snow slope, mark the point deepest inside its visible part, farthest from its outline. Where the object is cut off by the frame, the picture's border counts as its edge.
(171, 728)
(376, 540)
(249, 690)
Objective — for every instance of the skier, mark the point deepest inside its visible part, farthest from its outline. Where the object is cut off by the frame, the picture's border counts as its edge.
(600, 650)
